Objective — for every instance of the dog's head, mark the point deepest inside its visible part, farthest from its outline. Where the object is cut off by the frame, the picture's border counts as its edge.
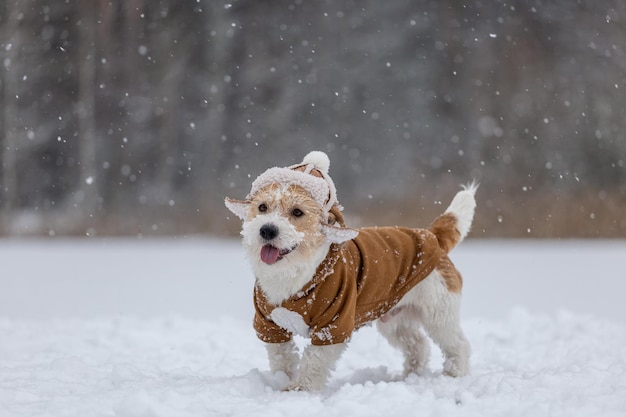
(290, 214)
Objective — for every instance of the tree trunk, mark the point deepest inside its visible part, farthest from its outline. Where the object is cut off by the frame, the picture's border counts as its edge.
(87, 197)
(9, 146)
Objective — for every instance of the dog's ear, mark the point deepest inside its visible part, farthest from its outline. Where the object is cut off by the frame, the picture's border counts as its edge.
(238, 207)
(338, 234)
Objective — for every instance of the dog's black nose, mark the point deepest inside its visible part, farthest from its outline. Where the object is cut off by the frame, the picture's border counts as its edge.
(268, 231)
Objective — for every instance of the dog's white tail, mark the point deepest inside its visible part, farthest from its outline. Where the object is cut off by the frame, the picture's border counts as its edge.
(455, 223)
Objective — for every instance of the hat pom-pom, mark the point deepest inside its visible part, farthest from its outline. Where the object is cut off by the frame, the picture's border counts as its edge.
(319, 160)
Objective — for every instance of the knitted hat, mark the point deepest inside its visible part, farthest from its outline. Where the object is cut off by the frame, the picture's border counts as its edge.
(311, 174)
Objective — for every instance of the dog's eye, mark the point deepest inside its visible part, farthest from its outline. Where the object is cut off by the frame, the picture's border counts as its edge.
(262, 207)
(297, 212)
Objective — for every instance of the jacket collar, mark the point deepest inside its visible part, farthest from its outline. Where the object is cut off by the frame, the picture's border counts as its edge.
(326, 268)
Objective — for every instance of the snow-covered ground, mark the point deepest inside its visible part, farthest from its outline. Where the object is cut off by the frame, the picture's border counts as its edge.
(162, 328)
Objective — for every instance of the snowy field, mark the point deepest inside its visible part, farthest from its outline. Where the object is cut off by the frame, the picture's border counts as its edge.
(162, 328)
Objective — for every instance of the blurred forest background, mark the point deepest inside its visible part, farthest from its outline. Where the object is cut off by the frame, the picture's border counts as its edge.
(137, 117)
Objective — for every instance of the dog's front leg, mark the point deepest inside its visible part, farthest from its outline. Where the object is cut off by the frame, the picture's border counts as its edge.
(315, 366)
(283, 357)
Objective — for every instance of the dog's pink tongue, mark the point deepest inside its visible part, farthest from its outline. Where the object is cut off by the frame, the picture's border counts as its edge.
(269, 254)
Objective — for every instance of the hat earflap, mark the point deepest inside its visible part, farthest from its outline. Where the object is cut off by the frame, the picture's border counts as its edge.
(338, 234)
(238, 207)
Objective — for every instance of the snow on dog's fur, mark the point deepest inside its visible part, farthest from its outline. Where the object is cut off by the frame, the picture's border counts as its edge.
(297, 244)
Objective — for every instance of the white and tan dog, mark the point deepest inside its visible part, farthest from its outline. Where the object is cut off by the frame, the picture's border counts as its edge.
(321, 280)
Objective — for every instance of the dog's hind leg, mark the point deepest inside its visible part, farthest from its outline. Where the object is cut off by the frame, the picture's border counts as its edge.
(442, 325)
(402, 329)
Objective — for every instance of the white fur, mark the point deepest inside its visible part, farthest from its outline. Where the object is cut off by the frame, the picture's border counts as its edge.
(432, 307)
(286, 239)
(287, 276)
(283, 357)
(315, 367)
(462, 206)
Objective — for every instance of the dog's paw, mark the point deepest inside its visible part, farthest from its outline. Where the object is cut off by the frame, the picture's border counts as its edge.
(299, 387)
(455, 367)
(303, 385)
(418, 371)
(293, 387)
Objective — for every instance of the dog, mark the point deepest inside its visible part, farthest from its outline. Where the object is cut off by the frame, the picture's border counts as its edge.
(317, 278)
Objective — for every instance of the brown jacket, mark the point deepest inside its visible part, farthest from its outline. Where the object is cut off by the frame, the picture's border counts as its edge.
(358, 281)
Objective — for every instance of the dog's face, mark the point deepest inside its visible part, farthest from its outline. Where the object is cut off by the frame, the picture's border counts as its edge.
(282, 226)
(286, 234)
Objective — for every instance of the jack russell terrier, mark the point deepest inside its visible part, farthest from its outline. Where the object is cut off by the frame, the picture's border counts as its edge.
(319, 279)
